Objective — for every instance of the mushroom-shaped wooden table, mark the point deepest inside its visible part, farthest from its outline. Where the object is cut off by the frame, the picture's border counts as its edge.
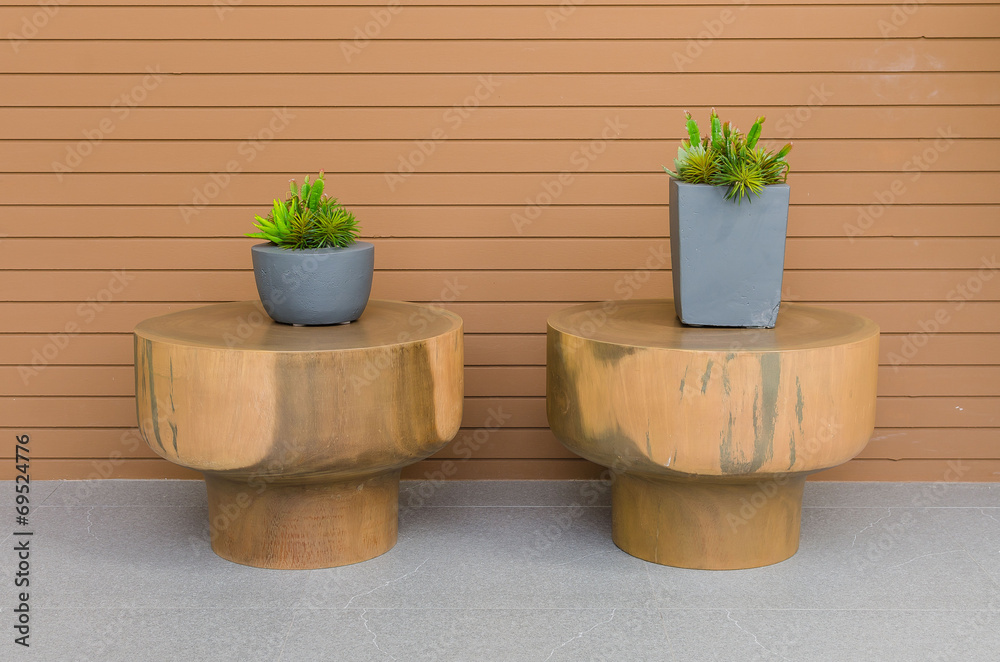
(300, 432)
(710, 432)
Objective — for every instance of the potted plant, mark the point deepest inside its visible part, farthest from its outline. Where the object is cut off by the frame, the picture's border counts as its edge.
(728, 220)
(312, 270)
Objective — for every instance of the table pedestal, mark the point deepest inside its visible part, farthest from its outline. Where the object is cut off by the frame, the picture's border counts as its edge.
(303, 525)
(707, 525)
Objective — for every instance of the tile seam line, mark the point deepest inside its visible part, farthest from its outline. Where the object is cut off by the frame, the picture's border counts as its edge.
(647, 610)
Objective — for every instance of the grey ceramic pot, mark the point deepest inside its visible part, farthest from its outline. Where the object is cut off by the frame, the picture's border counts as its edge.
(727, 259)
(315, 286)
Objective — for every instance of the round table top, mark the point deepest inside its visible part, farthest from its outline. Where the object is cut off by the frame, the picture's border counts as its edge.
(244, 326)
(654, 323)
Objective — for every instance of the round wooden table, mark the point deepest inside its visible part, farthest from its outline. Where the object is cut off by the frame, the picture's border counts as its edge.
(300, 432)
(710, 432)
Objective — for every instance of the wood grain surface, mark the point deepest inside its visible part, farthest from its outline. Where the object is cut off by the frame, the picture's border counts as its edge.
(300, 431)
(710, 432)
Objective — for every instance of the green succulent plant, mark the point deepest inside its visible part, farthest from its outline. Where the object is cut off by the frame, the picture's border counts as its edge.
(728, 158)
(307, 219)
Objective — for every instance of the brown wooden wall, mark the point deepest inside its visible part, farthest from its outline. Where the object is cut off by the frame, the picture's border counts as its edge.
(138, 141)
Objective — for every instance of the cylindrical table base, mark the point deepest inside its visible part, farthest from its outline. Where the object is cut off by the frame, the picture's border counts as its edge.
(706, 525)
(303, 525)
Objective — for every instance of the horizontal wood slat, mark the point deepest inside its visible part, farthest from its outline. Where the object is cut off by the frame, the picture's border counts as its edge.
(536, 191)
(514, 443)
(142, 468)
(162, 88)
(102, 412)
(916, 318)
(101, 469)
(494, 221)
(930, 443)
(39, 351)
(554, 469)
(474, 56)
(936, 470)
(488, 381)
(895, 349)
(466, 156)
(553, 285)
(501, 254)
(540, 22)
(258, 127)
(72, 443)
(405, 4)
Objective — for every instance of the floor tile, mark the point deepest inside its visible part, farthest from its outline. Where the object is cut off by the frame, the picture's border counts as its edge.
(150, 493)
(977, 530)
(823, 494)
(123, 570)
(478, 635)
(38, 490)
(124, 557)
(138, 635)
(494, 558)
(849, 559)
(832, 635)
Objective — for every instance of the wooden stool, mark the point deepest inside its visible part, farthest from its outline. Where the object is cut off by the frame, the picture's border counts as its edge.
(300, 432)
(710, 432)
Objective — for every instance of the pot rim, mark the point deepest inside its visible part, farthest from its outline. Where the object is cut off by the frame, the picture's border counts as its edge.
(680, 183)
(268, 247)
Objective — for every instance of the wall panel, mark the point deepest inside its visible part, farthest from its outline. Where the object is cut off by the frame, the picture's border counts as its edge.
(139, 140)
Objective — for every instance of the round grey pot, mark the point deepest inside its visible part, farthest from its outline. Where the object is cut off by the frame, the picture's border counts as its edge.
(314, 286)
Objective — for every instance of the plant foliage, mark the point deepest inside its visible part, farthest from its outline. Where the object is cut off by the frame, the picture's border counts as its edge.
(307, 219)
(727, 158)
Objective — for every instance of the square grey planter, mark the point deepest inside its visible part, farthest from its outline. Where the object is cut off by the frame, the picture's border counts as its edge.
(727, 259)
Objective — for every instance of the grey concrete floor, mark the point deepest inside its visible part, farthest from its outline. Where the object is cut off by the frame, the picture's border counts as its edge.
(509, 571)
